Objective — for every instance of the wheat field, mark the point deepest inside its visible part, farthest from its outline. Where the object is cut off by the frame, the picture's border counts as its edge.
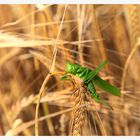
(36, 42)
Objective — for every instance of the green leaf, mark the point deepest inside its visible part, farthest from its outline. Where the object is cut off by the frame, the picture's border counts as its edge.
(93, 73)
(106, 86)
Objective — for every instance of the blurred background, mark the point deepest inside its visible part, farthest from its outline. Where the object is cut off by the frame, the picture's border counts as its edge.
(37, 39)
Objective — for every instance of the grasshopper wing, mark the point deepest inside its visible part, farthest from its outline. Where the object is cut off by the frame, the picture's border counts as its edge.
(106, 86)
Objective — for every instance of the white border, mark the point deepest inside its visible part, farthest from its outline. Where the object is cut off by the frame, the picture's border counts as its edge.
(69, 1)
(70, 138)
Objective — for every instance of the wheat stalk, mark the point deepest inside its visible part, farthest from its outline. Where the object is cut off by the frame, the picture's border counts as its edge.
(132, 16)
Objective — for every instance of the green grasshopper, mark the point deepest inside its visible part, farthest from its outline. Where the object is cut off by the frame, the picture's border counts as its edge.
(89, 78)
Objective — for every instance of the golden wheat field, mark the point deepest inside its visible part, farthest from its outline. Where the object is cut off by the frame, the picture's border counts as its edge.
(37, 41)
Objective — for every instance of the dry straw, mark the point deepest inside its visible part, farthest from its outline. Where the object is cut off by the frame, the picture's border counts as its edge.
(37, 40)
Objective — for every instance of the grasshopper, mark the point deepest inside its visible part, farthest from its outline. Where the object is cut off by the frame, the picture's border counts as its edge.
(89, 78)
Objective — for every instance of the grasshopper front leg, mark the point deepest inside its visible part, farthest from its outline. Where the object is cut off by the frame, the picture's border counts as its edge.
(66, 77)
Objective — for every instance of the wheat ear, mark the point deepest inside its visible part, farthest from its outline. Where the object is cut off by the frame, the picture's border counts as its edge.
(78, 114)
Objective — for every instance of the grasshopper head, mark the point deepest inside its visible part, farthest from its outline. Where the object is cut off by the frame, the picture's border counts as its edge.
(71, 68)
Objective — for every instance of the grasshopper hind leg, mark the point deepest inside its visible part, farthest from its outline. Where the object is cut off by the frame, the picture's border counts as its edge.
(96, 97)
(92, 90)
